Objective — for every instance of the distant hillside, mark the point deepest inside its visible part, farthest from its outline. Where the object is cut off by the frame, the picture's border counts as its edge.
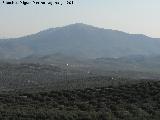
(134, 63)
(80, 40)
(139, 63)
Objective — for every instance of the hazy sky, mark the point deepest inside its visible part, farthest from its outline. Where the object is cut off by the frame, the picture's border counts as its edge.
(133, 16)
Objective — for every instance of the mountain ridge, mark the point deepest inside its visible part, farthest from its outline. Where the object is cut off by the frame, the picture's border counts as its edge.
(80, 40)
(76, 24)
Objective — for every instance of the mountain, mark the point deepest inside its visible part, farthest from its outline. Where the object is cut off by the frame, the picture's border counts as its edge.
(80, 40)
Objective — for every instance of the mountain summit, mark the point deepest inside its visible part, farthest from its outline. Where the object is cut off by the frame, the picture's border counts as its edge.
(80, 40)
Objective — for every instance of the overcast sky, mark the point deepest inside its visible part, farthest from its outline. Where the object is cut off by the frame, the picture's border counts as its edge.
(133, 16)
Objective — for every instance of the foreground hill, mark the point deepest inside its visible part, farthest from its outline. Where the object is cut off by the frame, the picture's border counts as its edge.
(140, 101)
(80, 40)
